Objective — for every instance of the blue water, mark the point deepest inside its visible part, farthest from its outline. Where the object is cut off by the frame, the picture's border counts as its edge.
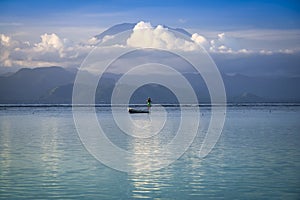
(256, 157)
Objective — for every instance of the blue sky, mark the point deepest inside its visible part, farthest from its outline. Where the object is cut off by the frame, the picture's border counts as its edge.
(193, 14)
(233, 30)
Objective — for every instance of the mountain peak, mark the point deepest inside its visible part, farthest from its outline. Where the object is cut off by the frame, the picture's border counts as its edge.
(118, 28)
(53, 69)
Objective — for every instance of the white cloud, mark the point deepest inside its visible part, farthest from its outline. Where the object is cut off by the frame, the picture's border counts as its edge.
(5, 40)
(146, 36)
(52, 45)
(49, 42)
(142, 25)
(6, 44)
(4, 58)
(286, 51)
(107, 37)
(227, 45)
(246, 51)
(93, 41)
(200, 40)
(222, 48)
(52, 49)
(221, 36)
(258, 41)
(266, 52)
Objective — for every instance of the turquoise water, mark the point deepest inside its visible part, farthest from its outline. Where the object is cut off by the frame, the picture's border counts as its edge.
(256, 157)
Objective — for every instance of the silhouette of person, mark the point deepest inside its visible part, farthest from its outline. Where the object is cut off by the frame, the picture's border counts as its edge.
(149, 103)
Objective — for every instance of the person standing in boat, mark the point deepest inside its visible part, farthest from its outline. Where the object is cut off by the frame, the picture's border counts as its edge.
(149, 103)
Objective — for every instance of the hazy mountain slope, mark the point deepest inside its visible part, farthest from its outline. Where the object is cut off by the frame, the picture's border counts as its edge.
(28, 85)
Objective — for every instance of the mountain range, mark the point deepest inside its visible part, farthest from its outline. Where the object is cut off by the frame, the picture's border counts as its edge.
(55, 84)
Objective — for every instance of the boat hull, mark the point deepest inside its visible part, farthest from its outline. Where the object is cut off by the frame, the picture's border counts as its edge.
(136, 111)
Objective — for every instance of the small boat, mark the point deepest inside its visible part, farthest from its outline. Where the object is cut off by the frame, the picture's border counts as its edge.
(134, 111)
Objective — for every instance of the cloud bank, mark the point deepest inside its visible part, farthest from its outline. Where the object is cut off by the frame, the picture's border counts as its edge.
(51, 49)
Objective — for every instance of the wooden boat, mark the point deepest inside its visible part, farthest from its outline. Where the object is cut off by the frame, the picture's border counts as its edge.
(135, 111)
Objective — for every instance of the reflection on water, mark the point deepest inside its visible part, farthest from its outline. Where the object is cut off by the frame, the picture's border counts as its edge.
(160, 150)
(145, 151)
(182, 182)
(5, 147)
(145, 183)
(157, 183)
(257, 157)
(51, 155)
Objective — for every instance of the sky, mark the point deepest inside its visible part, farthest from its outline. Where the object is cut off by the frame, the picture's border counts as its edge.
(241, 36)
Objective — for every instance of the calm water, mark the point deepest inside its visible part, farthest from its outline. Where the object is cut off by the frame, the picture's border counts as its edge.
(256, 157)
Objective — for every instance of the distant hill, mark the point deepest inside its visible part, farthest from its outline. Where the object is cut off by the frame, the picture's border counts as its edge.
(29, 85)
(55, 85)
(6, 71)
(261, 89)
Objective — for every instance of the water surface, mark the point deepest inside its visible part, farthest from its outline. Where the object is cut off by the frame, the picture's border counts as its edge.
(256, 157)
